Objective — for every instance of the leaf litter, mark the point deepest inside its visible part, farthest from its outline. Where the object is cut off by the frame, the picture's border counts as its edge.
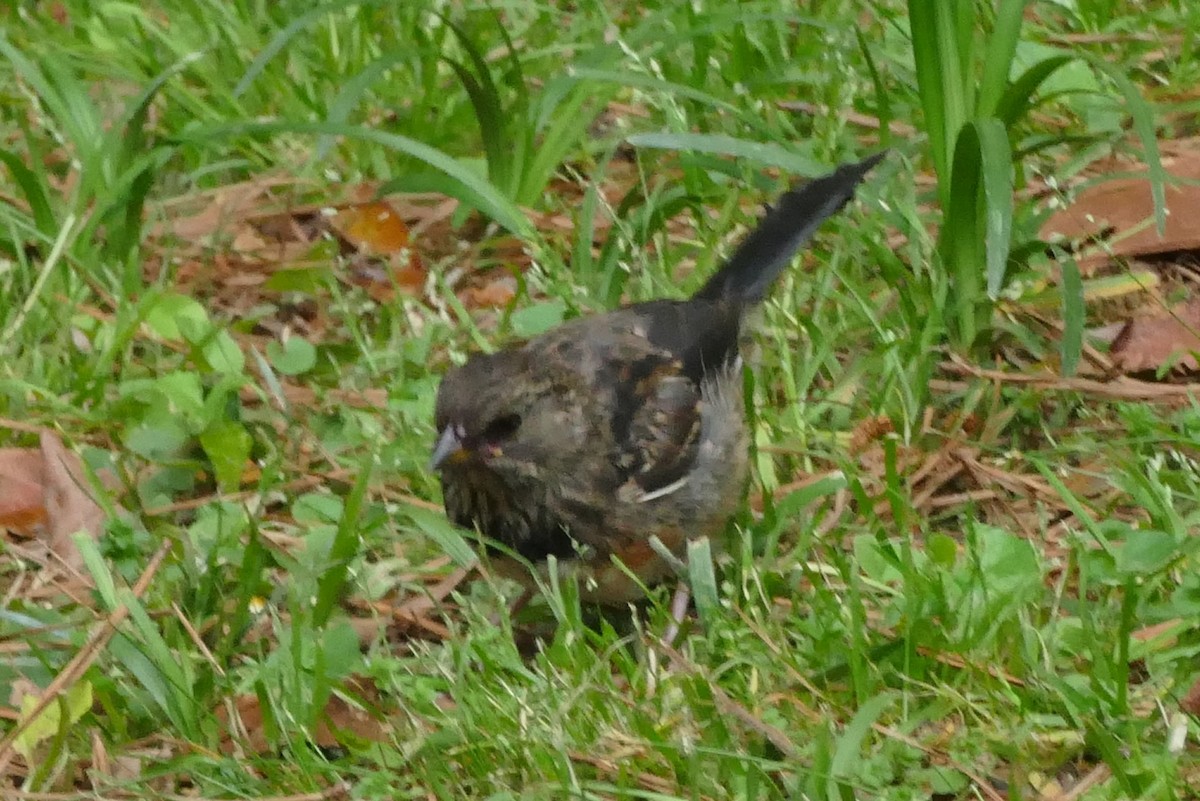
(1110, 222)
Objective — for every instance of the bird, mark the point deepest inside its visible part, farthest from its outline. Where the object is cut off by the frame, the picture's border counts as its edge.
(603, 446)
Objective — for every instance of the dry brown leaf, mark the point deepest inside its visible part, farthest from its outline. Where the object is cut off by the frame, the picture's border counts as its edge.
(222, 206)
(44, 492)
(1121, 211)
(1149, 343)
(1191, 701)
(243, 720)
(59, 13)
(22, 507)
(494, 294)
(70, 507)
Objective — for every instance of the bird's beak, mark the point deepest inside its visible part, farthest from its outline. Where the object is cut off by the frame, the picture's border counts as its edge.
(449, 447)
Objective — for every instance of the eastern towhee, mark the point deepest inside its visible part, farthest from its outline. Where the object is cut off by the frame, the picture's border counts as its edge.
(588, 441)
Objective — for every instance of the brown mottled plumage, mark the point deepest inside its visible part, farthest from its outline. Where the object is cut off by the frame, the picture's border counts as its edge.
(587, 441)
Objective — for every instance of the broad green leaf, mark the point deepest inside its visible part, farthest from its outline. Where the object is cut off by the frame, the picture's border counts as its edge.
(448, 536)
(157, 440)
(295, 356)
(223, 354)
(1146, 551)
(1009, 562)
(75, 703)
(848, 755)
(942, 549)
(538, 318)
(962, 236)
(318, 508)
(227, 444)
(164, 313)
(332, 584)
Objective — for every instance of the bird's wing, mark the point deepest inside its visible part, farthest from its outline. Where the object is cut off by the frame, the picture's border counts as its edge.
(648, 362)
(656, 424)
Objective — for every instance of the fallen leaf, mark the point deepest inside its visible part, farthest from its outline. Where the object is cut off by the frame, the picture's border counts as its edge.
(1191, 701)
(373, 228)
(376, 229)
(494, 294)
(78, 700)
(223, 206)
(22, 506)
(1149, 343)
(69, 503)
(60, 14)
(1120, 213)
(244, 720)
(44, 492)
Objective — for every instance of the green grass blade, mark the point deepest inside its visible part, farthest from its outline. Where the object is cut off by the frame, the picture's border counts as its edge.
(995, 157)
(492, 133)
(1018, 98)
(567, 131)
(451, 539)
(126, 196)
(761, 153)
(847, 757)
(346, 543)
(34, 192)
(351, 92)
(1074, 316)
(962, 236)
(955, 32)
(923, 24)
(999, 53)
(703, 579)
(495, 122)
(285, 36)
(463, 183)
(636, 80)
(1142, 115)
(883, 102)
(584, 230)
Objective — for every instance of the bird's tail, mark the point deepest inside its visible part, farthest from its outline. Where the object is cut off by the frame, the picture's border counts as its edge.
(767, 250)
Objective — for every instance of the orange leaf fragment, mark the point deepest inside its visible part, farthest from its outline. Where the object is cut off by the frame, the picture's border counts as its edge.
(494, 294)
(22, 508)
(377, 229)
(373, 228)
(1148, 343)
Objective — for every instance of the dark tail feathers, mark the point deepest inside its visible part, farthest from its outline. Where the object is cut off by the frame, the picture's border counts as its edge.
(762, 255)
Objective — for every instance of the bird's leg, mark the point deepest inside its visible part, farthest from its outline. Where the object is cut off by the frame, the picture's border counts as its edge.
(683, 595)
(516, 606)
(521, 602)
(679, 605)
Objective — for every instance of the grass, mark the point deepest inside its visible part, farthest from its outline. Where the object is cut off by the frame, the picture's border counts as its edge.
(943, 584)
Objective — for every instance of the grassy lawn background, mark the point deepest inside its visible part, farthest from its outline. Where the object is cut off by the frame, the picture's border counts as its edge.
(966, 566)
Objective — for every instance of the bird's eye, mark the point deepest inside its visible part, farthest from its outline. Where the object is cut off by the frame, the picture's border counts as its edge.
(502, 427)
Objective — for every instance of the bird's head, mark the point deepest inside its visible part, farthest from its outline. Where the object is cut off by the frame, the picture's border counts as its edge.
(500, 413)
